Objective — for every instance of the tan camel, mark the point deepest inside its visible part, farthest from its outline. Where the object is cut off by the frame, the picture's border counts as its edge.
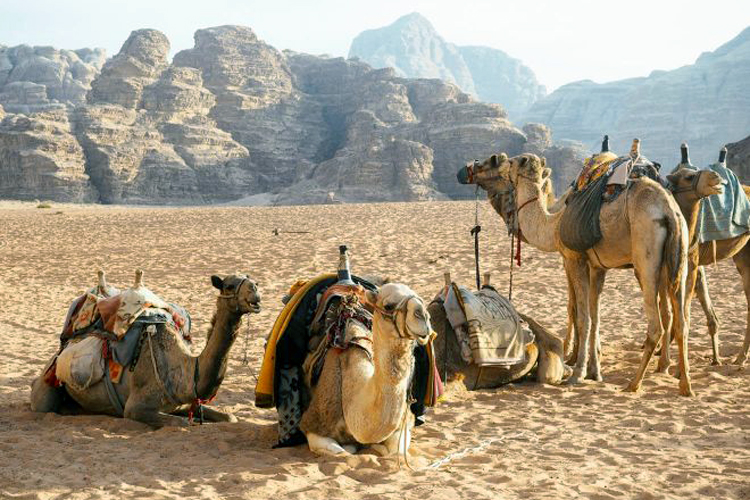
(362, 399)
(690, 186)
(642, 228)
(546, 353)
(167, 378)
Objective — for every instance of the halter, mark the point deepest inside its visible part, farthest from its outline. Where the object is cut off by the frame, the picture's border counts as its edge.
(693, 186)
(392, 315)
(235, 294)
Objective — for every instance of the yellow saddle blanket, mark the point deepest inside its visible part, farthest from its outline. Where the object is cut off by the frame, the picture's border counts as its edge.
(593, 168)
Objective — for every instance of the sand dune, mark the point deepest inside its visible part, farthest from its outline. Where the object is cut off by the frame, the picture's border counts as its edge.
(520, 441)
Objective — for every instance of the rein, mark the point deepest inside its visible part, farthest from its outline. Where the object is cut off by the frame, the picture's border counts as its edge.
(693, 186)
(392, 315)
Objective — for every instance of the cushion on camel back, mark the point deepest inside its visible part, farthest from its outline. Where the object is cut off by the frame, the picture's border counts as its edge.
(487, 326)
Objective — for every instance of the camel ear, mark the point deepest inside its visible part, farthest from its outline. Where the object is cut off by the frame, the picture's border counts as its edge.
(371, 297)
(523, 161)
(544, 162)
(672, 179)
(546, 172)
(493, 161)
(217, 282)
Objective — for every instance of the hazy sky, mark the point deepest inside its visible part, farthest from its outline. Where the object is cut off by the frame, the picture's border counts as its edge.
(562, 41)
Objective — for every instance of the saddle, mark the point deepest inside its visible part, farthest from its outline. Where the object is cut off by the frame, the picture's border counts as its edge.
(603, 178)
(487, 326)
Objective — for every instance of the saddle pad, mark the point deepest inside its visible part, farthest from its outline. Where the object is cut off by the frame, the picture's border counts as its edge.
(579, 223)
(80, 364)
(593, 168)
(489, 324)
(727, 215)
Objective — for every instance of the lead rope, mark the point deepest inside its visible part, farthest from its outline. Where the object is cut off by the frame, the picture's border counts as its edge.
(510, 280)
(475, 232)
(245, 358)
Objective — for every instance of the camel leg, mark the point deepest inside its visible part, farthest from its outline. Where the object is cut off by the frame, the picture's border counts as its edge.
(142, 411)
(666, 320)
(648, 278)
(45, 398)
(596, 283)
(209, 414)
(579, 271)
(321, 445)
(570, 346)
(742, 262)
(681, 318)
(701, 288)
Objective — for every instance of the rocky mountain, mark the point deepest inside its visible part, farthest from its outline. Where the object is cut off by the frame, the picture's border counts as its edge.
(706, 104)
(414, 49)
(738, 159)
(233, 117)
(41, 78)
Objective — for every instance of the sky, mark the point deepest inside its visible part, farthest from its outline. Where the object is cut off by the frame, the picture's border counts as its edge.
(561, 41)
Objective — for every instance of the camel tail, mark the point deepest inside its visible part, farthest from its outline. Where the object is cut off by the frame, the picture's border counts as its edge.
(675, 251)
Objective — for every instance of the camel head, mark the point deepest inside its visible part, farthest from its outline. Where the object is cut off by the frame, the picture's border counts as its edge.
(239, 292)
(497, 171)
(691, 185)
(398, 305)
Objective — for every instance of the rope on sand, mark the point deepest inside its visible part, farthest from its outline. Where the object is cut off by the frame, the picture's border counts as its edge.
(522, 435)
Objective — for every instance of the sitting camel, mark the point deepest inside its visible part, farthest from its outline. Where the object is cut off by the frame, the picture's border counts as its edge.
(165, 378)
(362, 395)
(689, 186)
(545, 352)
(642, 228)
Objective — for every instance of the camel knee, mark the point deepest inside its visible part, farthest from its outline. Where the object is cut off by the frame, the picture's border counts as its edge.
(44, 398)
(321, 445)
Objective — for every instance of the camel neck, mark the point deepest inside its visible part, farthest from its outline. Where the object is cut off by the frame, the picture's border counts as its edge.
(690, 210)
(536, 224)
(212, 361)
(392, 357)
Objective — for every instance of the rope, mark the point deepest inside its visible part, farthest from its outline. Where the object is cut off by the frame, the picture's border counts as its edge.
(510, 278)
(475, 232)
(481, 447)
(245, 359)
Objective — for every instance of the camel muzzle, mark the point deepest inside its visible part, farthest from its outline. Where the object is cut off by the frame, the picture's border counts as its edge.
(465, 175)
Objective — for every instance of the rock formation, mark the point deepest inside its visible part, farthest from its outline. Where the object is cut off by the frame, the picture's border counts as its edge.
(415, 50)
(738, 159)
(706, 104)
(42, 78)
(233, 117)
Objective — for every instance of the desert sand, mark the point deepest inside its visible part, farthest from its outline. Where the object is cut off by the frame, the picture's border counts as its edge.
(520, 441)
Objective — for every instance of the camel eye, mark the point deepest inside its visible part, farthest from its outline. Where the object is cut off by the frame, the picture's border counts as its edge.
(690, 177)
(389, 307)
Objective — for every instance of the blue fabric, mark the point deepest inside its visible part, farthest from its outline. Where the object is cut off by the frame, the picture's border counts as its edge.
(726, 215)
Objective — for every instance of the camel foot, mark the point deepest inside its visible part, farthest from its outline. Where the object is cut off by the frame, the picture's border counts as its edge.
(595, 376)
(740, 361)
(663, 367)
(687, 392)
(575, 379)
(716, 362)
(321, 445)
(633, 387)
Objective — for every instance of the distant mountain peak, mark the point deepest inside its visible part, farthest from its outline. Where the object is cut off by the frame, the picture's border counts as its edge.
(413, 48)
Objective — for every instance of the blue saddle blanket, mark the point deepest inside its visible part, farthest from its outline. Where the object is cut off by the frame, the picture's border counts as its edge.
(727, 215)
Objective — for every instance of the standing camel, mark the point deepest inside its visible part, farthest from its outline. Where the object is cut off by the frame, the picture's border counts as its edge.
(362, 393)
(642, 228)
(166, 378)
(689, 186)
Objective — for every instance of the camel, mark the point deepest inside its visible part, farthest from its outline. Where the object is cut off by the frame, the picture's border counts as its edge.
(642, 228)
(546, 353)
(362, 398)
(166, 378)
(689, 187)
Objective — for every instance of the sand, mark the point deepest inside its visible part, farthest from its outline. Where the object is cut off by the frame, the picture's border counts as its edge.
(520, 441)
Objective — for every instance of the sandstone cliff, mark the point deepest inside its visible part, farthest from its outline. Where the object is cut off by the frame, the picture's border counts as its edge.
(706, 104)
(738, 159)
(415, 50)
(233, 117)
(42, 78)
